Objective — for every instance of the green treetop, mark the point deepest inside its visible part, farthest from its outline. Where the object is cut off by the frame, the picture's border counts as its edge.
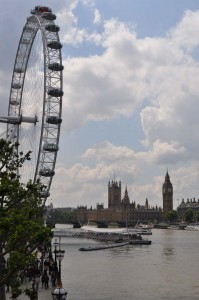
(21, 216)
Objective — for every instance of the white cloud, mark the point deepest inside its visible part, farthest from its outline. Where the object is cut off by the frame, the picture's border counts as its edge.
(157, 76)
(70, 33)
(108, 160)
(97, 17)
(89, 3)
(130, 70)
(164, 152)
(184, 34)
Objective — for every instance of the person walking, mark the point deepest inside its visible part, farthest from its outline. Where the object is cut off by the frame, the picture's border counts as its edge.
(33, 283)
(53, 279)
(43, 279)
(37, 279)
(46, 282)
(14, 296)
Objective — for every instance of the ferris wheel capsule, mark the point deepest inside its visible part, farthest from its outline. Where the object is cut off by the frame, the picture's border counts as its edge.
(51, 147)
(55, 67)
(40, 9)
(19, 70)
(16, 85)
(52, 27)
(47, 172)
(44, 194)
(48, 16)
(53, 120)
(54, 45)
(55, 92)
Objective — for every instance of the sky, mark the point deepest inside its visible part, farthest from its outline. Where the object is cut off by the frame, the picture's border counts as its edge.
(130, 104)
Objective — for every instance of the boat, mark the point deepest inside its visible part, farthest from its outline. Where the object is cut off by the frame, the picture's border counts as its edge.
(119, 244)
(173, 227)
(106, 230)
(103, 234)
(193, 227)
(103, 247)
(140, 231)
(144, 226)
(109, 234)
(140, 242)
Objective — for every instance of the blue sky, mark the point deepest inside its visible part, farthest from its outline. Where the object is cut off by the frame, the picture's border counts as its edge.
(130, 96)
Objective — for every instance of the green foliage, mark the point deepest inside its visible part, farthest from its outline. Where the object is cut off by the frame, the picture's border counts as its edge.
(32, 294)
(64, 215)
(15, 285)
(21, 215)
(188, 215)
(171, 216)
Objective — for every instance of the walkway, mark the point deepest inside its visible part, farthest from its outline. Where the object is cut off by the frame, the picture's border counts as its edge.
(43, 294)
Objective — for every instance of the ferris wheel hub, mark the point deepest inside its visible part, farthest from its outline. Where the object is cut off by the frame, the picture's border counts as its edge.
(18, 120)
(33, 120)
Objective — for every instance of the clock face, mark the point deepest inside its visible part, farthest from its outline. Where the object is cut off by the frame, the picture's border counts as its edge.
(167, 190)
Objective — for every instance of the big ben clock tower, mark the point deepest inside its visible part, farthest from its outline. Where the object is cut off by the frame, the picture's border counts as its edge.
(167, 192)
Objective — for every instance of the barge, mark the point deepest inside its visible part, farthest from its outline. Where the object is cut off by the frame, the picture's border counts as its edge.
(101, 247)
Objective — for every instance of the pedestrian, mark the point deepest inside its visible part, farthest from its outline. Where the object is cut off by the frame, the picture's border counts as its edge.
(7, 286)
(14, 296)
(53, 279)
(46, 281)
(37, 283)
(33, 283)
(43, 279)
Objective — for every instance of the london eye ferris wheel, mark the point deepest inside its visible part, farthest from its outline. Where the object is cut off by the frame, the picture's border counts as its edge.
(35, 102)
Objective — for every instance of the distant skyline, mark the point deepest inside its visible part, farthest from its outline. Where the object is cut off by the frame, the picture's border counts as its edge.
(130, 105)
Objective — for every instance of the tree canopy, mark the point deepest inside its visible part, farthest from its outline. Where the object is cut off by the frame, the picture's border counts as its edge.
(188, 215)
(171, 216)
(64, 215)
(22, 228)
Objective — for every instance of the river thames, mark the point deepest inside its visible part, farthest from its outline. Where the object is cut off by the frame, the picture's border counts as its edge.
(166, 269)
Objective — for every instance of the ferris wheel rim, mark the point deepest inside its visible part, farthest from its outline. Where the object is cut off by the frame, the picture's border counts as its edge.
(43, 22)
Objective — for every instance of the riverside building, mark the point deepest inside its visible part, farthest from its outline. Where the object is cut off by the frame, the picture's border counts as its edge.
(120, 210)
(192, 204)
(167, 193)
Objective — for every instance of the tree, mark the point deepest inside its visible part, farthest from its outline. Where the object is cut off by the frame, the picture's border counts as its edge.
(64, 215)
(171, 216)
(188, 215)
(22, 228)
(197, 216)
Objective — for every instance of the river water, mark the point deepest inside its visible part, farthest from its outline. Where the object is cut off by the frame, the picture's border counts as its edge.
(166, 269)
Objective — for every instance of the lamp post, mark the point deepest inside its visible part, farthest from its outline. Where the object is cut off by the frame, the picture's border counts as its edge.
(59, 293)
(55, 251)
(55, 244)
(60, 256)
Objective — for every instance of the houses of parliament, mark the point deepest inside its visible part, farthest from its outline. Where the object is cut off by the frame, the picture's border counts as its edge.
(122, 211)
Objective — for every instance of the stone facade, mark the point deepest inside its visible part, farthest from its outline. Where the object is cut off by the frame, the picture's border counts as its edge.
(120, 210)
(189, 203)
(167, 193)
